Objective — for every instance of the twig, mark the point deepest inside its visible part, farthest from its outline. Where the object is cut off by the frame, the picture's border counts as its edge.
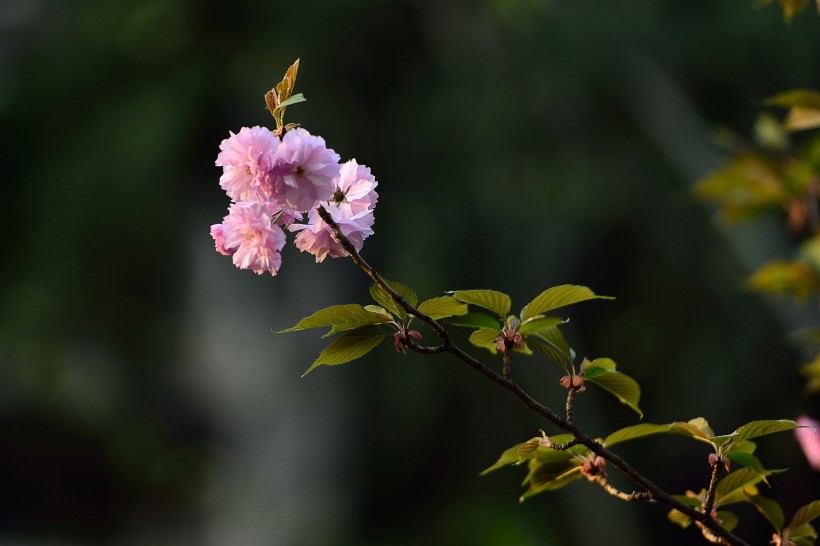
(710, 493)
(653, 492)
(615, 492)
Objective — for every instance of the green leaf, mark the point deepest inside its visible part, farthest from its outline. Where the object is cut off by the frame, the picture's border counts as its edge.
(352, 345)
(551, 342)
(558, 296)
(731, 488)
(679, 518)
(551, 476)
(727, 519)
(605, 363)
(746, 459)
(805, 515)
(634, 432)
(383, 298)
(755, 429)
(698, 428)
(474, 319)
(340, 317)
(497, 302)
(507, 458)
(297, 98)
(485, 338)
(622, 386)
(536, 324)
(770, 509)
(445, 306)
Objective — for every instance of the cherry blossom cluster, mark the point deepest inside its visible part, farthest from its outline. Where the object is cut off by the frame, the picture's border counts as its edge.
(273, 182)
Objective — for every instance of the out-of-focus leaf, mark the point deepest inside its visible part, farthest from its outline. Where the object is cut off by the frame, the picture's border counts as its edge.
(810, 252)
(679, 518)
(770, 509)
(805, 515)
(727, 519)
(492, 300)
(805, 98)
(474, 319)
(485, 338)
(769, 133)
(803, 104)
(340, 318)
(381, 297)
(795, 279)
(622, 386)
(746, 187)
(559, 296)
(352, 345)
(445, 306)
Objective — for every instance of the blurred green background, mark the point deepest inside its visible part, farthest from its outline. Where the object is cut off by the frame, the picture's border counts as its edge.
(518, 144)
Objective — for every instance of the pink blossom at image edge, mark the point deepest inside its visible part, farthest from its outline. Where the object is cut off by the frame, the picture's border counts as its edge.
(809, 440)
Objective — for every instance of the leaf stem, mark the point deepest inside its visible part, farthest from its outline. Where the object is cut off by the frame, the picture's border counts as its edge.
(653, 492)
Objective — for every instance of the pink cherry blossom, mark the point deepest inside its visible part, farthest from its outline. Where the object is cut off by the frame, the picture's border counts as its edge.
(317, 237)
(354, 189)
(218, 233)
(247, 159)
(249, 235)
(303, 174)
(809, 440)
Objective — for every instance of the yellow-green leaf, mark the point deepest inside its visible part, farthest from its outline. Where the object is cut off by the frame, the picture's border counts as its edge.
(340, 317)
(445, 306)
(485, 338)
(348, 347)
(557, 297)
(622, 386)
(497, 302)
(383, 298)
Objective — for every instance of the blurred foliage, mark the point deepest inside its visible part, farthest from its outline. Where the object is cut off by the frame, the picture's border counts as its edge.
(518, 144)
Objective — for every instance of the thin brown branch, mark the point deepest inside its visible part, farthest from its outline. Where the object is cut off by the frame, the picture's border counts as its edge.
(653, 492)
(570, 404)
(615, 492)
(710, 492)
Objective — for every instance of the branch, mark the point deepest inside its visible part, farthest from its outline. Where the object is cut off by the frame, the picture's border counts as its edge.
(615, 492)
(653, 492)
(710, 493)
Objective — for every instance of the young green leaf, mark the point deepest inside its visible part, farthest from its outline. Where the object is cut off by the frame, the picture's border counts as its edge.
(559, 296)
(497, 302)
(535, 324)
(485, 338)
(381, 297)
(679, 518)
(474, 319)
(445, 306)
(551, 475)
(551, 342)
(622, 386)
(634, 432)
(755, 429)
(805, 98)
(746, 459)
(352, 345)
(731, 488)
(297, 98)
(340, 317)
(727, 519)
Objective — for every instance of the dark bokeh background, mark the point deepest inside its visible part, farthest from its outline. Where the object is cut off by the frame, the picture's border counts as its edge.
(518, 144)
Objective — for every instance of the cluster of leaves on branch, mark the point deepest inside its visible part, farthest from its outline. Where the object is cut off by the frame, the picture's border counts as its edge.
(292, 178)
(777, 176)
